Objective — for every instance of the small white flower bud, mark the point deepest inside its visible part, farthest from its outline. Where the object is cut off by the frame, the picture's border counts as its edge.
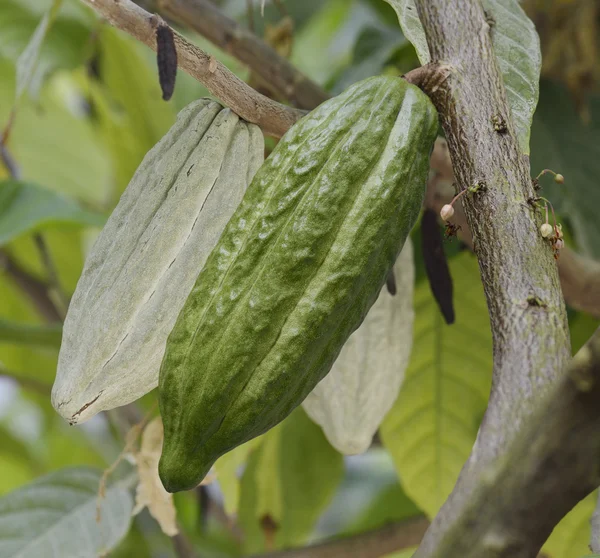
(559, 179)
(559, 244)
(547, 230)
(447, 212)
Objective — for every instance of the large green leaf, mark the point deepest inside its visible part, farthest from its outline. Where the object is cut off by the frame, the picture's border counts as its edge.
(571, 537)
(563, 142)
(27, 207)
(432, 427)
(323, 47)
(52, 144)
(56, 515)
(517, 47)
(228, 469)
(289, 479)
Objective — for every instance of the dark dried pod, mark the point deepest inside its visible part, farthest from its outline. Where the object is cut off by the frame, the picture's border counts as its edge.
(391, 283)
(166, 59)
(436, 265)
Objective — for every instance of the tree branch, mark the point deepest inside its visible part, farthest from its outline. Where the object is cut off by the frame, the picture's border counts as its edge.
(579, 276)
(35, 289)
(553, 463)
(527, 313)
(206, 18)
(371, 544)
(272, 117)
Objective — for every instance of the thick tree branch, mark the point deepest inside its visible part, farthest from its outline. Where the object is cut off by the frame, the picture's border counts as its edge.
(579, 276)
(273, 118)
(553, 463)
(527, 313)
(206, 18)
(371, 544)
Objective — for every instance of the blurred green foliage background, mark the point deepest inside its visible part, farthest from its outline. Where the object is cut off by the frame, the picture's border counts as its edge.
(91, 111)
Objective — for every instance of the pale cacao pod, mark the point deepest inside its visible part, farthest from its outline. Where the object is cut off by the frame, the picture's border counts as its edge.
(146, 259)
(352, 400)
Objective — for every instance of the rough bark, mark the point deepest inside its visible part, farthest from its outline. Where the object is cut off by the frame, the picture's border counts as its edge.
(527, 313)
(553, 463)
(579, 276)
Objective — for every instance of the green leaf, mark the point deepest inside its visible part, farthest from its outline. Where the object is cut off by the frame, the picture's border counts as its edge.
(570, 538)
(27, 334)
(432, 427)
(595, 528)
(15, 447)
(411, 27)
(228, 468)
(517, 47)
(27, 62)
(39, 363)
(565, 144)
(372, 51)
(64, 31)
(290, 478)
(26, 207)
(58, 512)
(14, 471)
(581, 327)
(407, 553)
(132, 84)
(323, 47)
(56, 147)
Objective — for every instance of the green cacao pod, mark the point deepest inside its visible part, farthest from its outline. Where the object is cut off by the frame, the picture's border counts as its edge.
(294, 272)
(352, 400)
(146, 259)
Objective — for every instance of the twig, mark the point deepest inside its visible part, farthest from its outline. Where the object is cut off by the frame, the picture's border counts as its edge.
(274, 118)
(520, 278)
(28, 284)
(371, 544)
(182, 545)
(7, 159)
(552, 465)
(206, 18)
(53, 280)
(30, 334)
(35, 289)
(579, 276)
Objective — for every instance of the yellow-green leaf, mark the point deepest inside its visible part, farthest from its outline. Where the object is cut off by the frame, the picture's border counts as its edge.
(433, 424)
(571, 537)
(289, 479)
